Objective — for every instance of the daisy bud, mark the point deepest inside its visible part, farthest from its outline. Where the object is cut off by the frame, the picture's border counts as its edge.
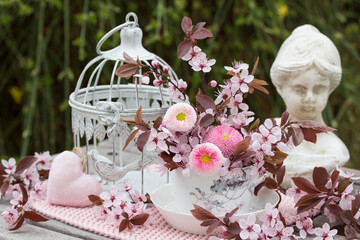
(155, 64)
(165, 69)
(213, 83)
(157, 83)
(145, 80)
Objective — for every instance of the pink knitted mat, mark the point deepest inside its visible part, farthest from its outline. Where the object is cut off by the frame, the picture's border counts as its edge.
(85, 218)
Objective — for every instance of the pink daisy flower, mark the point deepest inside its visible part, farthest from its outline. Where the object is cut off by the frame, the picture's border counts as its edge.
(180, 117)
(224, 137)
(206, 159)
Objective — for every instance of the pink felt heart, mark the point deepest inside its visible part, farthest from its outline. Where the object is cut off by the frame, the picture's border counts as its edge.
(68, 185)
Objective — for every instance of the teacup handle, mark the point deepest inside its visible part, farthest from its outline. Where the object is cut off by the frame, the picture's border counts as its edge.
(133, 23)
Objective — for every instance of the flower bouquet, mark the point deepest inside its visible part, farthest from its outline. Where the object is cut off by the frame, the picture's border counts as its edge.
(218, 156)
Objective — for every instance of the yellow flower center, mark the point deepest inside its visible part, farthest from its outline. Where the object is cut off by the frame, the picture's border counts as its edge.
(225, 137)
(205, 158)
(181, 117)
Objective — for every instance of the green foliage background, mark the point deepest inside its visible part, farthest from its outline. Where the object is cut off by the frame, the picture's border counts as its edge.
(46, 44)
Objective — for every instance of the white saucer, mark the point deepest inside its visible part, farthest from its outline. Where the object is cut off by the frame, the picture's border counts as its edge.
(178, 214)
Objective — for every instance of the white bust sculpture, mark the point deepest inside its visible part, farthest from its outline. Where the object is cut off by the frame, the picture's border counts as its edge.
(306, 70)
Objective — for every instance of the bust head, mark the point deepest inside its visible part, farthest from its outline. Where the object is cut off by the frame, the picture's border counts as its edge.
(306, 70)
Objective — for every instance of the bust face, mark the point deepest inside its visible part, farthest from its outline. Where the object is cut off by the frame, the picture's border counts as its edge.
(306, 95)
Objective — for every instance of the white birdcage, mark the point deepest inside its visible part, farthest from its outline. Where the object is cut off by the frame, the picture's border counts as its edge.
(97, 109)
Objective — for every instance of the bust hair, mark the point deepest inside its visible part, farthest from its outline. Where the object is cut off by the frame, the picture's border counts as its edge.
(304, 48)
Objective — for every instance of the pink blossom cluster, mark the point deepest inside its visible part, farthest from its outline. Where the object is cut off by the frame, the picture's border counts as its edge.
(30, 176)
(267, 139)
(12, 214)
(268, 225)
(198, 60)
(121, 199)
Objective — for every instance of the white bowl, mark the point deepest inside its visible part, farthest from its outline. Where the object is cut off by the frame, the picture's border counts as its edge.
(178, 215)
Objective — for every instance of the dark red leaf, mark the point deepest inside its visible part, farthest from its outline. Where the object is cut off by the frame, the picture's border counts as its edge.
(138, 116)
(234, 228)
(209, 222)
(186, 25)
(304, 185)
(130, 138)
(35, 217)
(212, 227)
(270, 168)
(24, 164)
(124, 224)
(158, 122)
(228, 235)
(142, 140)
(139, 219)
(202, 214)
(315, 126)
(335, 210)
(25, 196)
(284, 118)
(320, 178)
(206, 120)
(355, 204)
(255, 66)
(199, 25)
(346, 216)
(309, 204)
(254, 124)
(343, 185)
(280, 175)
(229, 215)
(206, 101)
(350, 232)
(258, 187)
(297, 135)
(201, 33)
(260, 88)
(309, 135)
(278, 157)
(19, 223)
(127, 70)
(282, 219)
(2, 170)
(96, 200)
(125, 215)
(184, 47)
(271, 183)
(129, 59)
(4, 187)
(241, 147)
(170, 164)
(334, 178)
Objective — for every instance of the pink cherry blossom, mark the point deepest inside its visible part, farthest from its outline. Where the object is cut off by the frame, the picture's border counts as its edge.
(155, 64)
(112, 198)
(137, 197)
(280, 232)
(165, 69)
(206, 159)
(156, 141)
(201, 63)
(325, 233)
(10, 166)
(157, 82)
(175, 92)
(224, 94)
(347, 197)
(182, 151)
(144, 79)
(10, 216)
(39, 191)
(250, 230)
(270, 216)
(295, 192)
(347, 174)
(192, 53)
(305, 226)
(241, 82)
(213, 83)
(102, 212)
(43, 160)
(237, 67)
(115, 214)
(17, 200)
